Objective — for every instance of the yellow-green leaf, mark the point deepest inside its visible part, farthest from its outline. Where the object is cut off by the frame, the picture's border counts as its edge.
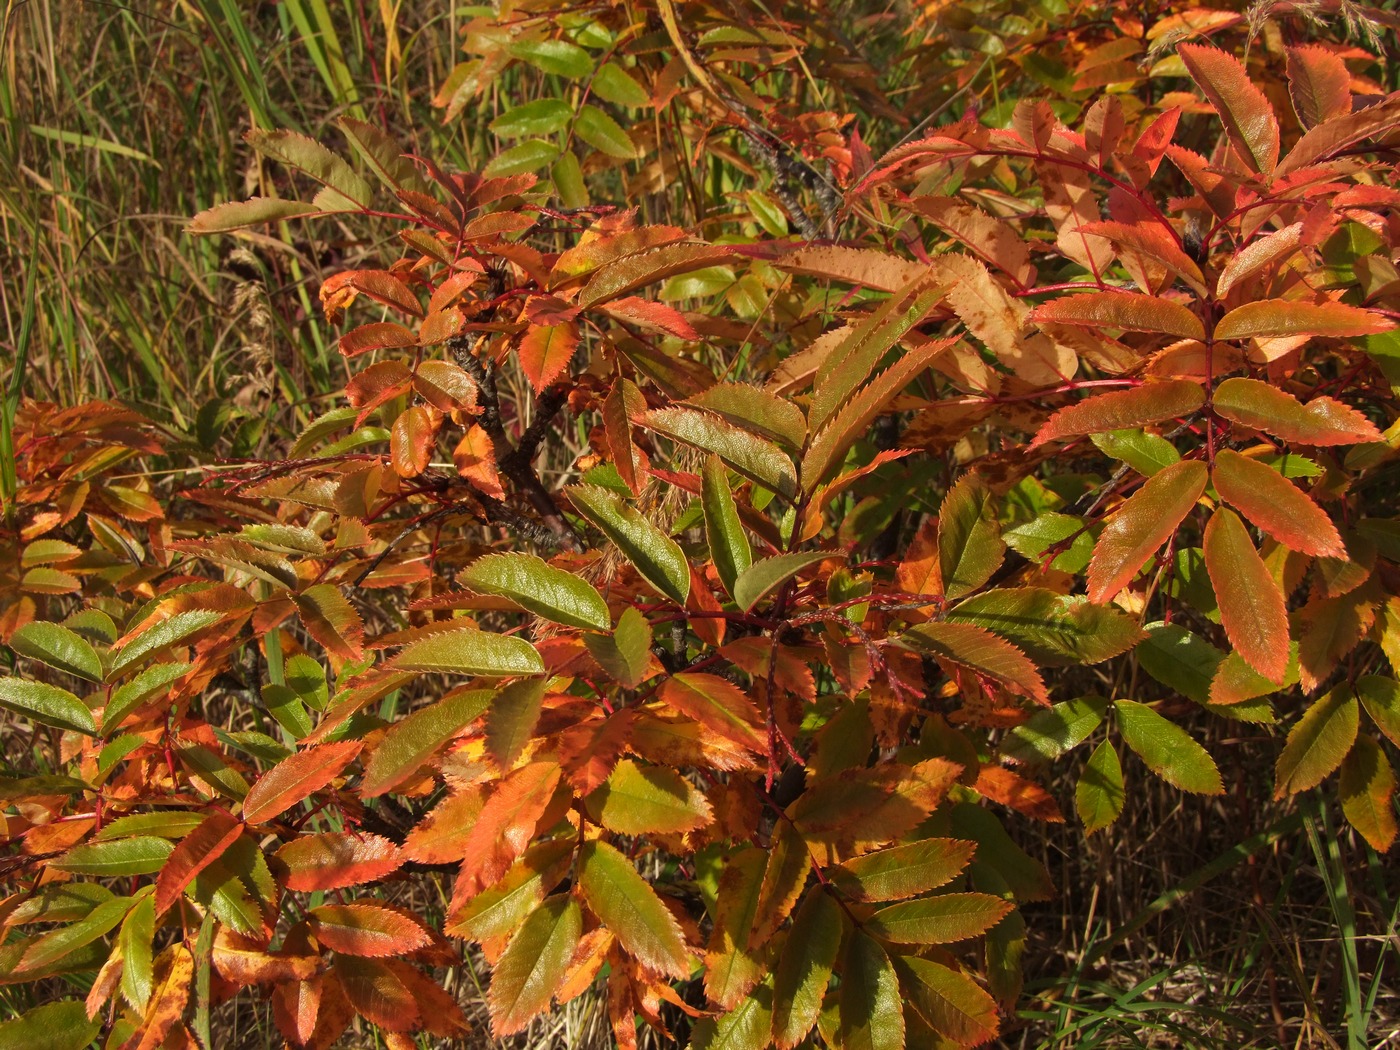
(532, 582)
(630, 908)
(1318, 743)
(1167, 749)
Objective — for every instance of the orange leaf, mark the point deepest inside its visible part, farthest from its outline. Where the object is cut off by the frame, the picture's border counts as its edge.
(174, 971)
(336, 859)
(1121, 409)
(379, 285)
(545, 351)
(411, 440)
(1252, 608)
(1269, 318)
(650, 314)
(330, 619)
(1318, 83)
(295, 777)
(1276, 505)
(195, 852)
(1130, 311)
(504, 827)
(715, 703)
(1322, 421)
(476, 461)
(380, 335)
(1142, 524)
(367, 928)
(1249, 120)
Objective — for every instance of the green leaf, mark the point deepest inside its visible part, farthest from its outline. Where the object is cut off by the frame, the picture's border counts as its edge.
(902, 871)
(1048, 530)
(46, 704)
(286, 707)
(410, 743)
(1099, 796)
(141, 855)
(647, 800)
(511, 720)
(803, 972)
(1180, 660)
(1318, 743)
(1049, 734)
(534, 964)
(746, 1027)
(969, 542)
(239, 215)
(943, 919)
(614, 84)
(766, 575)
(626, 653)
(135, 944)
(166, 823)
(530, 155)
(756, 458)
(1167, 749)
(951, 1003)
(53, 1026)
(729, 547)
(1381, 698)
(603, 133)
(1052, 628)
(50, 947)
(554, 56)
(872, 1012)
(168, 632)
(851, 361)
(470, 652)
(657, 557)
(349, 189)
(1142, 524)
(1145, 453)
(560, 596)
(503, 907)
(58, 647)
(630, 908)
(731, 967)
(541, 117)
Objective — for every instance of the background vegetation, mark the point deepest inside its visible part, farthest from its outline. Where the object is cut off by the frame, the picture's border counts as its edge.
(1193, 921)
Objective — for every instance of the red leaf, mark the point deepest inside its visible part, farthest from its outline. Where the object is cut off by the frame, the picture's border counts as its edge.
(1276, 505)
(367, 928)
(476, 461)
(545, 351)
(1121, 409)
(195, 852)
(1252, 608)
(295, 777)
(1249, 120)
(336, 859)
(1142, 524)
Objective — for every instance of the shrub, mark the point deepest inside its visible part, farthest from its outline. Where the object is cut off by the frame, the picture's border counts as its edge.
(1036, 438)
